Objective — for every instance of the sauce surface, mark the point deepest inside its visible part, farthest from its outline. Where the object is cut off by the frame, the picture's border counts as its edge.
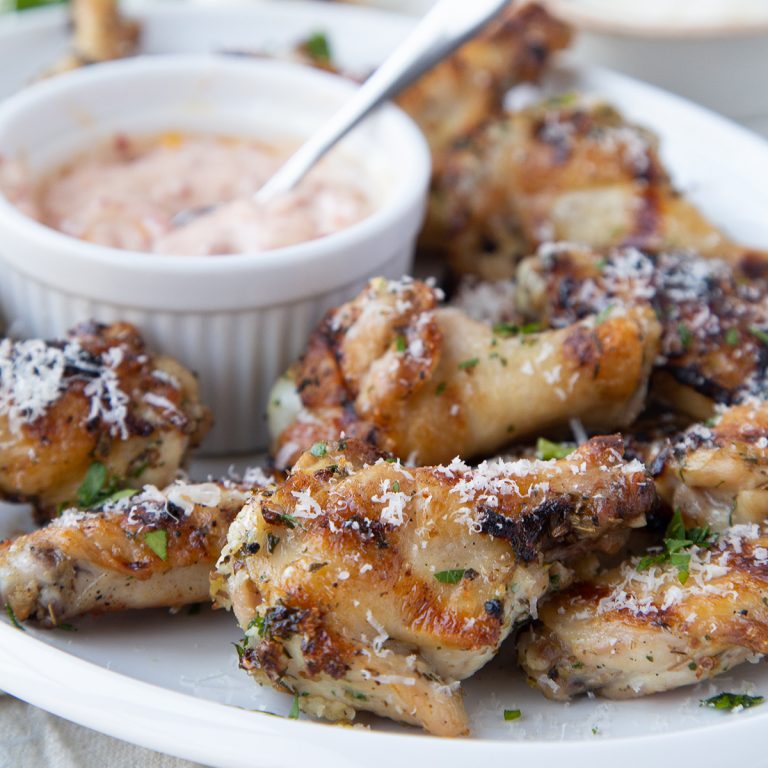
(126, 194)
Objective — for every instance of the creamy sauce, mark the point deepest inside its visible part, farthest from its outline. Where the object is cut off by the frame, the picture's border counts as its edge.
(127, 193)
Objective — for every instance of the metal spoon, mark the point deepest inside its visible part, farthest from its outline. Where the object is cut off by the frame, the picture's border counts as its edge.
(447, 25)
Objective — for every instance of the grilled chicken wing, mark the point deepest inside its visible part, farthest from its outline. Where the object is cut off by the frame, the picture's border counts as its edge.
(631, 633)
(574, 171)
(101, 33)
(427, 383)
(468, 88)
(362, 585)
(154, 549)
(714, 344)
(717, 474)
(98, 396)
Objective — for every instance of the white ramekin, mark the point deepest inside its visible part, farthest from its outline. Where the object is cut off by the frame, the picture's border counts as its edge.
(716, 55)
(238, 321)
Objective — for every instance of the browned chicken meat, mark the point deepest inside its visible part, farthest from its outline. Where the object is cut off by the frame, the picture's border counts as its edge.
(566, 169)
(427, 383)
(714, 344)
(101, 33)
(363, 585)
(468, 88)
(97, 398)
(152, 549)
(716, 474)
(646, 627)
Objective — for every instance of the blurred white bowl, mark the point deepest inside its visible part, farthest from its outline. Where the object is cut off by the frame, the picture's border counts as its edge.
(714, 52)
(236, 320)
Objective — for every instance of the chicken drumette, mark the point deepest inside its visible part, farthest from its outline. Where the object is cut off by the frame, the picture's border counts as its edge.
(363, 585)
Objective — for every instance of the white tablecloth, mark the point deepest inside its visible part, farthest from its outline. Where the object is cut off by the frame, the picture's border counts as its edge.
(31, 738)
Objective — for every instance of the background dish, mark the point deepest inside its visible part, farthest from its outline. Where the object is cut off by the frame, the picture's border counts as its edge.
(161, 680)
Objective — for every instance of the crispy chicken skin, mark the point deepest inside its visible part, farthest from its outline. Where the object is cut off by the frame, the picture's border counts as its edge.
(468, 88)
(100, 561)
(100, 33)
(717, 474)
(363, 585)
(97, 396)
(427, 383)
(562, 170)
(713, 344)
(631, 633)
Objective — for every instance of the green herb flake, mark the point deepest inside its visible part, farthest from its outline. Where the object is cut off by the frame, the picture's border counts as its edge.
(396, 486)
(512, 714)
(272, 542)
(759, 334)
(240, 648)
(92, 485)
(692, 665)
(440, 388)
(686, 337)
(603, 315)
(125, 493)
(650, 658)
(356, 694)
(732, 701)
(595, 730)
(289, 520)
(12, 617)
(294, 713)
(468, 365)
(506, 329)
(546, 449)
(157, 541)
(64, 627)
(732, 336)
(453, 576)
(401, 344)
(318, 48)
(257, 623)
(318, 450)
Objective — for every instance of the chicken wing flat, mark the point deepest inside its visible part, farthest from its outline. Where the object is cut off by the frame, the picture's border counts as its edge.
(363, 585)
(635, 631)
(716, 474)
(153, 549)
(427, 383)
(714, 343)
(468, 88)
(570, 170)
(97, 397)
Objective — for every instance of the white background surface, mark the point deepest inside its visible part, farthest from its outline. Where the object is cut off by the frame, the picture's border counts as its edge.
(168, 682)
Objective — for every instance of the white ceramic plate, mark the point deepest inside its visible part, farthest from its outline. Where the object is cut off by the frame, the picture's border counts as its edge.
(170, 683)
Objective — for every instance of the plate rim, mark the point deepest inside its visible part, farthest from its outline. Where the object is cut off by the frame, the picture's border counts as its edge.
(212, 719)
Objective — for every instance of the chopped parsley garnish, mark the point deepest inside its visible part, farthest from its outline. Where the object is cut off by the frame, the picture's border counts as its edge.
(258, 623)
(453, 576)
(602, 316)
(686, 337)
(510, 329)
(294, 713)
(440, 388)
(356, 695)
(466, 365)
(318, 48)
(92, 485)
(157, 541)
(99, 488)
(595, 730)
(318, 450)
(692, 665)
(512, 714)
(12, 617)
(732, 336)
(240, 648)
(401, 344)
(676, 540)
(289, 520)
(64, 627)
(396, 486)
(759, 334)
(731, 701)
(546, 449)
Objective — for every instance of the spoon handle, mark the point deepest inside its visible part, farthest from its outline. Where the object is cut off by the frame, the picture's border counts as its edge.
(441, 31)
